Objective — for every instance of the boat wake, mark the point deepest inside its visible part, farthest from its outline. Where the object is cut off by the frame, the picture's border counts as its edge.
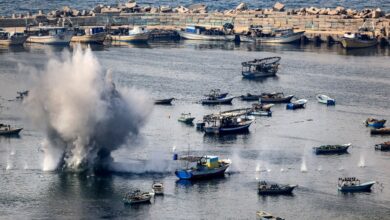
(82, 113)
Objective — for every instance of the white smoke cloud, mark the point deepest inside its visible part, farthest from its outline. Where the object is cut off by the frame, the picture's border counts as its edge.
(84, 116)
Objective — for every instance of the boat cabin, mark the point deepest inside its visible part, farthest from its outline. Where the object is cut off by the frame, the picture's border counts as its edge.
(8, 35)
(203, 30)
(89, 31)
(269, 64)
(48, 31)
(348, 181)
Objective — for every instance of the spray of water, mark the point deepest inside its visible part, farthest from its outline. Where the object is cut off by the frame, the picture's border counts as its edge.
(82, 113)
(303, 165)
(362, 161)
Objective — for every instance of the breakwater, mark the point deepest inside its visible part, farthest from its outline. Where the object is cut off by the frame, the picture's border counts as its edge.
(319, 24)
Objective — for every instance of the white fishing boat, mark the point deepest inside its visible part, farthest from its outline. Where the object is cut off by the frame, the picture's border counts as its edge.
(262, 215)
(50, 35)
(201, 33)
(7, 130)
(278, 36)
(324, 99)
(89, 35)
(364, 37)
(296, 104)
(158, 188)
(12, 38)
(137, 34)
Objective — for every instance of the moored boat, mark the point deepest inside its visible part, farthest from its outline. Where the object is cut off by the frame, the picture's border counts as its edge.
(380, 131)
(201, 33)
(158, 188)
(276, 35)
(217, 101)
(376, 123)
(296, 104)
(250, 97)
(12, 38)
(7, 130)
(331, 149)
(277, 97)
(206, 167)
(262, 215)
(352, 184)
(358, 40)
(260, 109)
(163, 101)
(324, 99)
(95, 35)
(260, 67)
(137, 197)
(385, 146)
(186, 118)
(137, 34)
(220, 124)
(265, 188)
(50, 35)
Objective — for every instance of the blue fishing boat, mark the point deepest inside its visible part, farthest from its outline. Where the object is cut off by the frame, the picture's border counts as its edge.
(331, 149)
(352, 184)
(296, 104)
(206, 167)
(376, 123)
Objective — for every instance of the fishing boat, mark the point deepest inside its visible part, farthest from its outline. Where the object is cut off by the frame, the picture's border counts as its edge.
(163, 101)
(137, 197)
(201, 33)
(216, 97)
(228, 124)
(265, 188)
(277, 97)
(385, 146)
(158, 188)
(380, 131)
(331, 149)
(376, 123)
(262, 215)
(364, 37)
(352, 184)
(95, 35)
(296, 104)
(260, 109)
(324, 99)
(276, 35)
(50, 35)
(206, 167)
(12, 38)
(186, 118)
(259, 68)
(137, 34)
(7, 130)
(250, 97)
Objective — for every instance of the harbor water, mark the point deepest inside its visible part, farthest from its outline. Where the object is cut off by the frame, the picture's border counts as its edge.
(277, 148)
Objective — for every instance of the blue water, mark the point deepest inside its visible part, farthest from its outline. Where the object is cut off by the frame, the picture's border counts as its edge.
(8, 7)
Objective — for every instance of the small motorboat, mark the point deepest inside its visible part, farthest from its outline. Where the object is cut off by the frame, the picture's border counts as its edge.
(186, 118)
(12, 38)
(262, 215)
(250, 97)
(217, 101)
(261, 110)
(206, 167)
(296, 104)
(277, 97)
(89, 35)
(228, 124)
(332, 149)
(324, 99)
(50, 35)
(380, 131)
(352, 184)
(265, 188)
(137, 197)
(163, 101)
(376, 123)
(260, 68)
(137, 34)
(211, 34)
(158, 188)
(385, 146)
(7, 130)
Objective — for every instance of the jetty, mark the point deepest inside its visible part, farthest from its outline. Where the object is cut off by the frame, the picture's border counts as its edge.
(318, 24)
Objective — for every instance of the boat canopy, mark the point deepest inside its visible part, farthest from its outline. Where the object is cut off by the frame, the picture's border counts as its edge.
(269, 61)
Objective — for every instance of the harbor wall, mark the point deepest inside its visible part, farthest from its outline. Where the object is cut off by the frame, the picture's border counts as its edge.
(320, 26)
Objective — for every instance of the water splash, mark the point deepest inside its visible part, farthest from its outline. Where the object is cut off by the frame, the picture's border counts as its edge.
(303, 165)
(9, 165)
(82, 113)
(257, 174)
(319, 168)
(25, 166)
(362, 161)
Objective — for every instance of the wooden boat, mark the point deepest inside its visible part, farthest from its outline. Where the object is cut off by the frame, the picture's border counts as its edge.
(265, 188)
(50, 35)
(137, 34)
(385, 146)
(276, 35)
(262, 215)
(332, 149)
(324, 99)
(260, 67)
(12, 38)
(228, 124)
(95, 35)
(7, 130)
(186, 118)
(261, 110)
(376, 123)
(163, 101)
(137, 197)
(216, 101)
(201, 33)
(277, 97)
(352, 184)
(250, 97)
(380, 131)
(206, 167)
(296, 104)
(358, 40)
(158, 188)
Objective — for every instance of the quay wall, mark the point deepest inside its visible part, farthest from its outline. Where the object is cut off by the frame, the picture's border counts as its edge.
(322, 26)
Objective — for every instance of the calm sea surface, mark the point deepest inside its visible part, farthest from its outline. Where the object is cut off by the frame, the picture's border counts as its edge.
(7, 7)
(279, 145)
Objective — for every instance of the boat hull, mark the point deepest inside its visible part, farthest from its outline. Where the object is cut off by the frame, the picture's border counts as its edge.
(186, 120)
(285, 191)
(277, 100)
(341, 150)
(377, 124)
(204, 174)
(51, 40)
(364, 187)
(254, 75)
(262, 113)
(350, 43)
(380, 131)
(14, 41)
(95, 38)
(295, 37)
(191, 36)
(226, 101)
(10, 132)
(163, 101)
(141, 37)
